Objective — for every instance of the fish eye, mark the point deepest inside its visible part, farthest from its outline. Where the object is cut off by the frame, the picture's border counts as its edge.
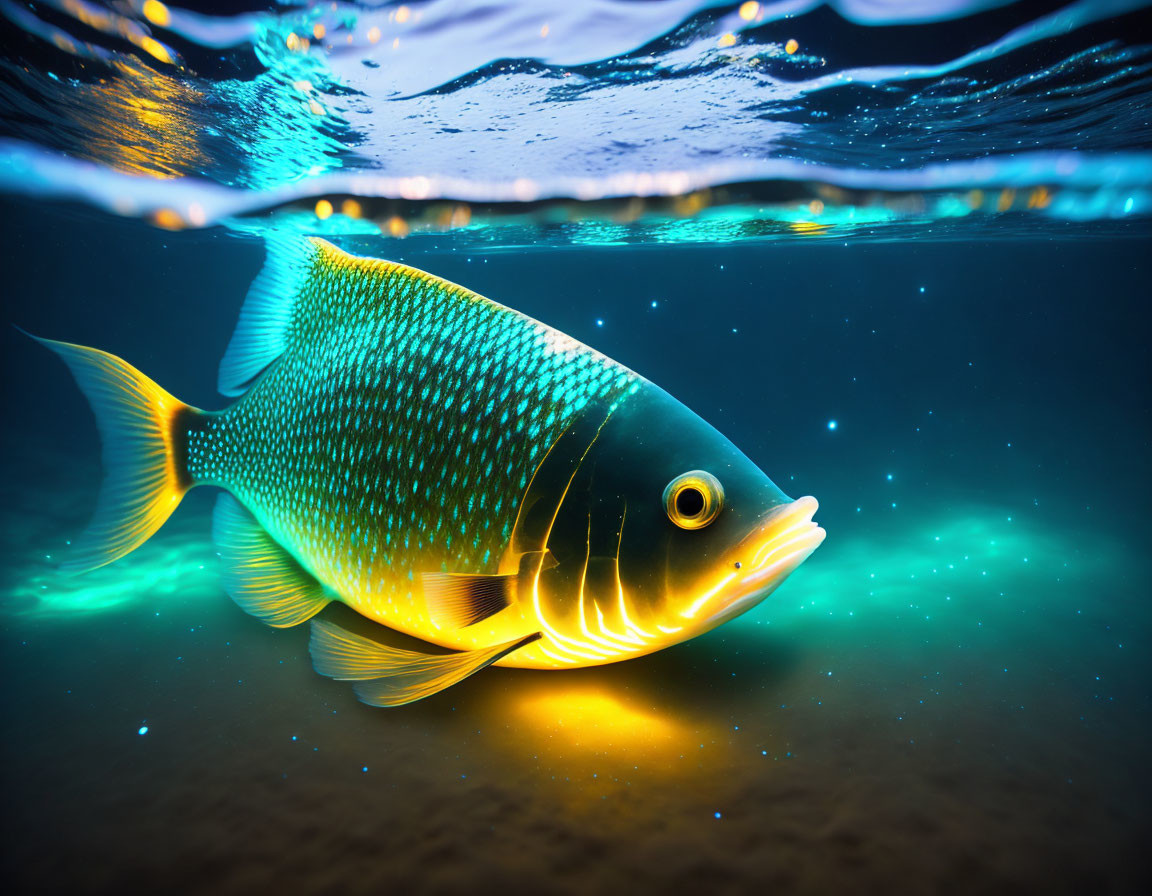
(693, 500)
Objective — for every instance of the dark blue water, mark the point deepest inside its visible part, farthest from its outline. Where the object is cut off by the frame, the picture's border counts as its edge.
(904, 266)
(952, 693)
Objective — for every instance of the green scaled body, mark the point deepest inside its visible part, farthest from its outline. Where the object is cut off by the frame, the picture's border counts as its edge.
(398, 423)
(446, 467)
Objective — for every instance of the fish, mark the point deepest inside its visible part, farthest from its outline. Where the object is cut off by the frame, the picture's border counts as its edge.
(445, 466)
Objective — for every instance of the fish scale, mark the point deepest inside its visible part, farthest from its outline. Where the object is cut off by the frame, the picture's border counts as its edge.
(345, 429)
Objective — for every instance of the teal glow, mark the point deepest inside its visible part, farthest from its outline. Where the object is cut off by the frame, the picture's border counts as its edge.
(961, 569)
(166, 567)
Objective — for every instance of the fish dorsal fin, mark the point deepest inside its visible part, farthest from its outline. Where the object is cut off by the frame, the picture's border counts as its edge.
(262, 577)
(386, 676)
(308, 285)
(266, 315)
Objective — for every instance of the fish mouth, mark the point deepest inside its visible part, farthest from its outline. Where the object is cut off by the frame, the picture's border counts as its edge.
(760, 562)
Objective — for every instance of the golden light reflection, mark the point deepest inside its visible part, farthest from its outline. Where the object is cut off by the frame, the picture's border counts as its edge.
(791, 47)
(1039, 198)
(396, 226)
(168, 219)
(156, 49)
(139, 122)
(596, 720)
(603, 738)
(749, 10)
(156, 12)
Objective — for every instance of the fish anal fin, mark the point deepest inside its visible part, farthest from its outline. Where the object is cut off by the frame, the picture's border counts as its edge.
(386, 676)
(458, 600)
(263, 578)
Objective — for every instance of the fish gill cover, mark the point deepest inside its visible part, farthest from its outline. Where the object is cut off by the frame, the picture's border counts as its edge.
(599, 122)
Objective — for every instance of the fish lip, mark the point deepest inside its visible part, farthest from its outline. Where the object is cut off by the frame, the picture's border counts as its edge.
(784, 539)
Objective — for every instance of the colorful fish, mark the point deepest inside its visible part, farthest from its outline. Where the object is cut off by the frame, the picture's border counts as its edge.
(447, 467)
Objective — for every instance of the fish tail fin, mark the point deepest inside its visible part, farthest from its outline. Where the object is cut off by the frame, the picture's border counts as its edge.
(144, 453)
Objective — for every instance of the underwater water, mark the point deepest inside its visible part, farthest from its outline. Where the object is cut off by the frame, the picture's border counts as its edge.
(897, 252)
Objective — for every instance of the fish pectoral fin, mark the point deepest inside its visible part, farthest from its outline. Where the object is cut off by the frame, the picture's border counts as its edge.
(386, 676)
(262, 577)
(458, 600)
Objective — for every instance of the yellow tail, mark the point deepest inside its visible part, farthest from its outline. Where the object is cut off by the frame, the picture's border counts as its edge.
(145, 473)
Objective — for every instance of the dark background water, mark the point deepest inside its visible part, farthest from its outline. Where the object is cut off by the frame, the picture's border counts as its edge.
(952, 694)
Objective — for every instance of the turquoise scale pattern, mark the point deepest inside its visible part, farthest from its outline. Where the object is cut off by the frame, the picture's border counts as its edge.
(400, 428)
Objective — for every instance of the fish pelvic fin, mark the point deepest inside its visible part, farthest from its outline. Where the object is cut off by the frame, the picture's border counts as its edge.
(143, 449)
(386, 676)
(261, 576)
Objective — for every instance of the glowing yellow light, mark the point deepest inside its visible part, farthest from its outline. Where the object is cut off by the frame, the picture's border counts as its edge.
(402, 14)
(461, 216)
(1004, 200)
(396, 226)
(292, 41)
(792, 46)
(315, 108)
(155, 49)
(544, 30)
(707, 596)
(323, 209)
(975, 198)
(318, 31)
(168, 218)
(395, 43)
(594, 720)
(692, 204)
(350, 208)
(373, 34)
(816, 207)
(808, 227)
(303, 86)
(1039, 198)
(749, 10)
(727, 40)
(156, 13)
